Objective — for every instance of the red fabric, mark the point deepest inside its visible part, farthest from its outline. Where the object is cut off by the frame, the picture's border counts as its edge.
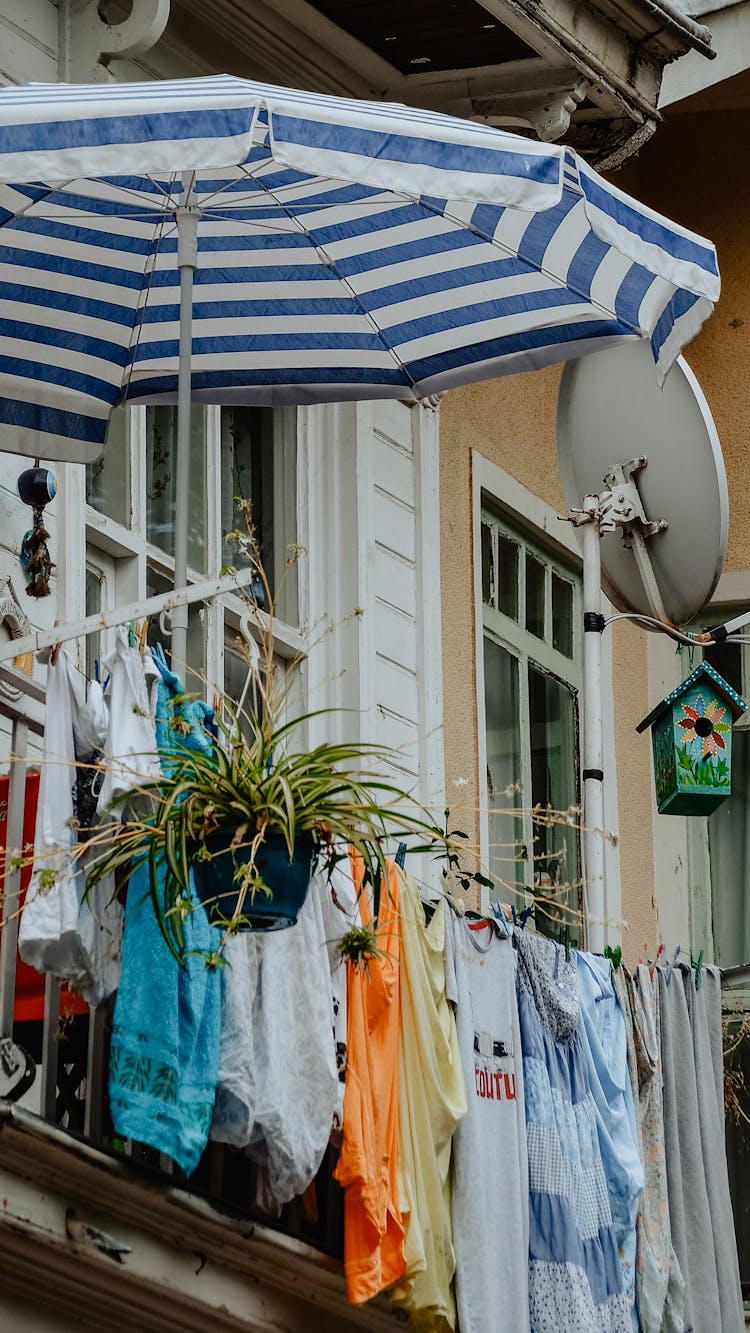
(29, 1001)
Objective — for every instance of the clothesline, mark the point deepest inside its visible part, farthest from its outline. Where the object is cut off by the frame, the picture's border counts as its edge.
(203, 591)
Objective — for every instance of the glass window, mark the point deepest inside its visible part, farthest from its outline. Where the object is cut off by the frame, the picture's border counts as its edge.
(108, 479)
(504, 781)
(488, 565)
(553, 737)
(258, 483)
(532, 679)
(562, 615)
(161, 454)
(507, 576)
(535, 580)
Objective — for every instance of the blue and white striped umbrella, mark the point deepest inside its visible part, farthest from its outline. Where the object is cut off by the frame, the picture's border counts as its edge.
(345, 250)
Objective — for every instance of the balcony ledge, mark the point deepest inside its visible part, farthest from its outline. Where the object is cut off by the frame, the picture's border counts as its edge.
(86, 1234)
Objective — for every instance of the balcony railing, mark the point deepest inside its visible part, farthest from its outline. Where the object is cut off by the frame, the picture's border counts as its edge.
(70, 1050)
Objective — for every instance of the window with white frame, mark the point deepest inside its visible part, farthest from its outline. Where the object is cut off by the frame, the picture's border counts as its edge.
(531, 614)
(719, 846)
(238, 455)
(719, 865)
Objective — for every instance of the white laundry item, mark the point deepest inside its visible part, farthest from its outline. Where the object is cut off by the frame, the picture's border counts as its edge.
(100, 923)
(490, 1158)
(48, 935)
(278, 1086)
(90, 722)
(338, 897)
(130, 753)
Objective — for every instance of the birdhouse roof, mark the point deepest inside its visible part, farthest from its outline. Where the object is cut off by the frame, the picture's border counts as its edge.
(703, 671)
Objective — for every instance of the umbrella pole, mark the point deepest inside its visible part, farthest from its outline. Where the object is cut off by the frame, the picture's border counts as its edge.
(187, 261)
(593, 764)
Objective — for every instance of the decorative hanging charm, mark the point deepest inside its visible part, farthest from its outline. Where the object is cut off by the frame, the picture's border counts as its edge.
(36, 487)
(691, 732)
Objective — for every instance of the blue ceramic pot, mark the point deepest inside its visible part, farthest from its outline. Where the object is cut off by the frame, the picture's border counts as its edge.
(288, 879)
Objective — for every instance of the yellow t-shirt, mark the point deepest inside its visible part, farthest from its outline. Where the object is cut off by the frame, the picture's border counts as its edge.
(432, 1101)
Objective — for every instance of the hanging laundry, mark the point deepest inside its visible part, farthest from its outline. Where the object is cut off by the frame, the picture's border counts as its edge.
(64, 930)
(278, 1086)
(659, 1284)
(699, 1204)
(490, 1174)
(603, 1037)
(432, 1103)
(368, 1163)
(575, 1279)
(340, 912)
(130, 749)
(167, 1023)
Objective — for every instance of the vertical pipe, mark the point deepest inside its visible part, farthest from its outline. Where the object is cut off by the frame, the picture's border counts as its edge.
(12, 877)
(593, 775)
(187, 261)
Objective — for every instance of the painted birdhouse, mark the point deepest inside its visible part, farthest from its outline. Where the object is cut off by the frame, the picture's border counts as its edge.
(691, 732)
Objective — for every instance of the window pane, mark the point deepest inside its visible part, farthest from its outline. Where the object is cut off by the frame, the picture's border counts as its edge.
(554, 788)
(94, 602)
(534, 596)
(258, 465)
(562, 615)
(108, 480)
(488, 566)
(507, 576)
(161, 453)
(729, 846)
(726, 658)
(501, 707)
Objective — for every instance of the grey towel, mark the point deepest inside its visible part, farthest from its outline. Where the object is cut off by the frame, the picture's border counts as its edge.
(699, 1205)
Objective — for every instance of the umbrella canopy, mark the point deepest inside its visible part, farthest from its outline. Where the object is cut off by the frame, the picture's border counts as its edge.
(344, 250)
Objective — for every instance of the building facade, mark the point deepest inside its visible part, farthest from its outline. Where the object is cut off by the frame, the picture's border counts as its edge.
(437, 597)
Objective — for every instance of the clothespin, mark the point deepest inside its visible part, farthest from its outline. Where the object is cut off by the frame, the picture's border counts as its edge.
(400, 857)
(142, 635)
(567, 944)
(513, 911)
(131, 634)
(697, 963)
(614, 955)
(670, 969)
(527, 912)
(96, 668)
(659, 952)
(498, 910)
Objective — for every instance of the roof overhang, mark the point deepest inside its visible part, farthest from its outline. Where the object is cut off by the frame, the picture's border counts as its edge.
(590, 73)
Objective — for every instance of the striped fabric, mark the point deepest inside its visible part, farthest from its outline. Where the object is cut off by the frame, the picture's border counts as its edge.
(345, 250)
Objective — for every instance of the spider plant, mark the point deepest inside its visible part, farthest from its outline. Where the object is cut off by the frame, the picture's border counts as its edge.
(254, 783)
(257, 783)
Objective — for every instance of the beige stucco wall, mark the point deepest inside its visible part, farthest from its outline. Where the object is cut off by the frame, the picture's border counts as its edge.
(692, 173)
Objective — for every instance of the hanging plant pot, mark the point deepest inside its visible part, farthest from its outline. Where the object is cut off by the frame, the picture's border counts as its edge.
(287, 878)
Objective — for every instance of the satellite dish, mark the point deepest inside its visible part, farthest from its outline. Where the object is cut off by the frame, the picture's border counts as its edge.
(610, 411)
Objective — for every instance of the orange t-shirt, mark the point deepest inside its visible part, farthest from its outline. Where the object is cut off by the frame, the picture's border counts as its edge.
(373, 1232)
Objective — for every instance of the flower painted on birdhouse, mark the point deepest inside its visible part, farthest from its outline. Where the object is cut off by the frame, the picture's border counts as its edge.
(703, 726)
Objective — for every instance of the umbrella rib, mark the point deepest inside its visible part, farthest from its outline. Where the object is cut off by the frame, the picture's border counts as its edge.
(329, 263)
(134, 344)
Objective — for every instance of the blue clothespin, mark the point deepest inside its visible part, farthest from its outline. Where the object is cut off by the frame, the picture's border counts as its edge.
(401, 855)
(525, 916)
(499, 913)
(513, 911)
(670, 969)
